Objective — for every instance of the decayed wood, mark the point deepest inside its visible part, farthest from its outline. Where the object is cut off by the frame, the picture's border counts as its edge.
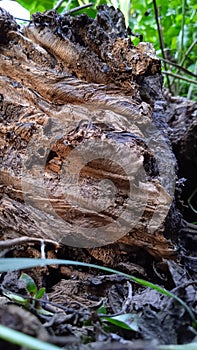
(76, 106)
(183, 124)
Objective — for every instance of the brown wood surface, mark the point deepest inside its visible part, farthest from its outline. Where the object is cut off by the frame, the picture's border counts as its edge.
(76, 102)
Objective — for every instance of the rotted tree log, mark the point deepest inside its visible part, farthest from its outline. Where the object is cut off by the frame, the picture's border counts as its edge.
(83, 162)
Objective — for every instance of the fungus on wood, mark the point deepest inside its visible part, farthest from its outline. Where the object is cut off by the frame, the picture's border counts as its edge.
(83, 162)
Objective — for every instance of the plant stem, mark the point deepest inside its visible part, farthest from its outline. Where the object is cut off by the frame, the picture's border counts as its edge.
(77, 9)
(179, 67)
(185, 56)
(59, 3)
(161, 42)
(189, 93)
(191, 346)
(188, 51)
(177, 76)
(9, 243)
(190, 199)
(22, 19)
(182, 29)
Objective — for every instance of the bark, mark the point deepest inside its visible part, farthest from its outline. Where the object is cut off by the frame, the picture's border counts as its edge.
(85, 161)
(183, 123)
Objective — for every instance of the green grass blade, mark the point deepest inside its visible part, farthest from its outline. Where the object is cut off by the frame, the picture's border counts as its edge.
(12, 264)
(191, 346)
(25, 340)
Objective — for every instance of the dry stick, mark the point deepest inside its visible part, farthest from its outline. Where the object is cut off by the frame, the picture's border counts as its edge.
(189, 231)
(64, 308)
(193, 226)
(190, 225)
(179, 67)
(161, 39)
(58, 5)
(22, 19)
(128, 300)
(67, 5)
(25, 239)
(60, 2)
(77, 9)
(8, 295)
(177, 76)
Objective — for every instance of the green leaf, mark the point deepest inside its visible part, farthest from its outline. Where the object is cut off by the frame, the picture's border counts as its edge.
(117, 323)
(37, 5)
(40, 293)
(125, 321)
(102, 310)
(42, 311)
(29, 284)
(16, 298)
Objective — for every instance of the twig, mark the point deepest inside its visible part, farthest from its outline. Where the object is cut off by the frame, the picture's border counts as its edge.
(59, 3)
(185, 56)
(22, 19)
(157, 273)
(17, 241)
(161, 42)
(189, 231)
(128, 300)
(179, 67)
(67, 5)
(189, 224)
(189, 228)
(77, 9)
(189, 93)
(177, 76)
(182, 28)
(67, 309)
(190, 199)
(188, 51)
(64, 308)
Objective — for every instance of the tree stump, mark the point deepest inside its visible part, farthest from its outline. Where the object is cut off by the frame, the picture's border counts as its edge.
(82, 160)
